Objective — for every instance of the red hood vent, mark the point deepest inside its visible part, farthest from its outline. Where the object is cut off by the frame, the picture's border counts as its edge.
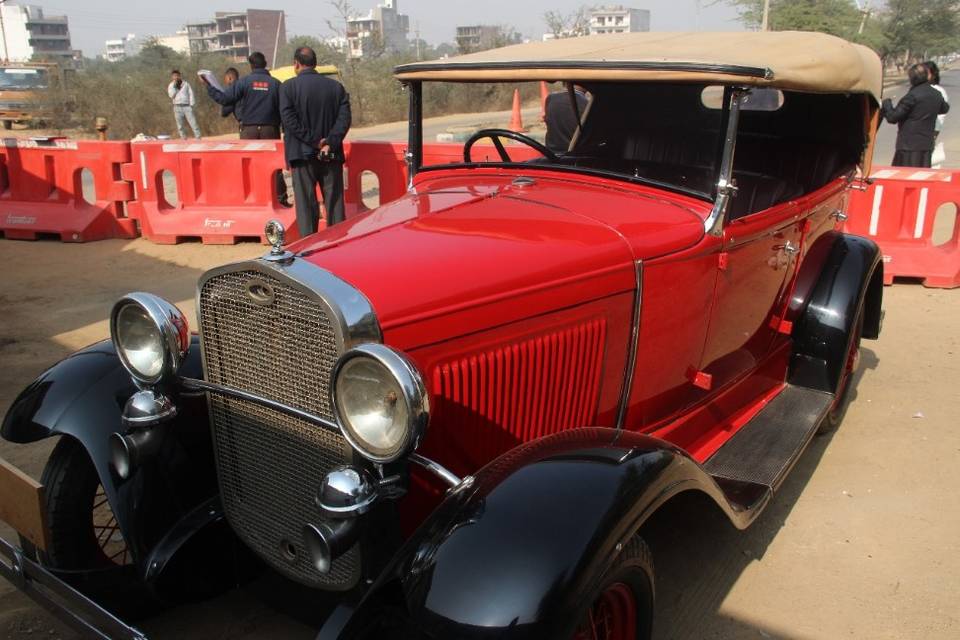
(489, 402)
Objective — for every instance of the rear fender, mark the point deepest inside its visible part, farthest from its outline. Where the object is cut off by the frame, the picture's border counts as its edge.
(515, 552)
(840, 275)
(83, 397)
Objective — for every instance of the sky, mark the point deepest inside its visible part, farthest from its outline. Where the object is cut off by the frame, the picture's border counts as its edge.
(93, 21)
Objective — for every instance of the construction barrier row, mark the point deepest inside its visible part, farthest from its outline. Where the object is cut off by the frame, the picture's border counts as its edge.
(898, 210)
(220, 192)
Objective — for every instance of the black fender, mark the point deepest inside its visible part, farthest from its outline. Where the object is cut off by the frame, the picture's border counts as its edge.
(514, 552)
(840, 275)
(83, 397)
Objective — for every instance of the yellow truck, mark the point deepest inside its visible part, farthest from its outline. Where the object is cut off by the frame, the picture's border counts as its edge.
(27, 91)
(285, 73)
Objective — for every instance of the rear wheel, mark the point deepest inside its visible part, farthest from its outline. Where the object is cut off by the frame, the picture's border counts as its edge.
(850, 363)
(622, 607)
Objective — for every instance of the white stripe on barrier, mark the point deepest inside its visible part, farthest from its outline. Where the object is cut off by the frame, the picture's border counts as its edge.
(921, 213)
(921, 175)
(875, 211)
(885, 173)
(40, 143)
(143, 170)
(175, 147)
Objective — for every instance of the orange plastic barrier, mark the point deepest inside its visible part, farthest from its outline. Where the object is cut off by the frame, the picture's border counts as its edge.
(369, 161)
(897, 211)
(42, 190)
(216, 191)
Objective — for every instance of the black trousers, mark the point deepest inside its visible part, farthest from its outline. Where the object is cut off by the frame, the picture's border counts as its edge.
(912, 158)
(267, 132)
(307, 174)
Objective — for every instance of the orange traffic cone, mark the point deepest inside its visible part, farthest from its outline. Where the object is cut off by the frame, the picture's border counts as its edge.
(516, 121)
(544, 92)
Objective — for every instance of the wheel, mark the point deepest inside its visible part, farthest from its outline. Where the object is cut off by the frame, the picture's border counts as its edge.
(622, 606)
(842, 400)
(8, 124)
(84, 534)
(495, 135)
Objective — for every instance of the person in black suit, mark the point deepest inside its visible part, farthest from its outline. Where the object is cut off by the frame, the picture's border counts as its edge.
(560, 118)
(916, 117)
(315, 111)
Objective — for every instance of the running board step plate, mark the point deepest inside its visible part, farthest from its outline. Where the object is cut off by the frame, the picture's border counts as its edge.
(765, 449)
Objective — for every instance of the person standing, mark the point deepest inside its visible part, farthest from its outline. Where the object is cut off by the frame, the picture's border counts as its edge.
(183, 101)
(257, 97)
(230, 76)
(939, 155)
(915, 116)
(563, 118)
(315, 111)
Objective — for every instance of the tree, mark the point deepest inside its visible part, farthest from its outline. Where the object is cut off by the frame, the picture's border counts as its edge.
(837, 17)
(920, 29)
(568, 25)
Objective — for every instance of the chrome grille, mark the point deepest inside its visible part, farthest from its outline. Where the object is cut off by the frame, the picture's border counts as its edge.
(269, 464)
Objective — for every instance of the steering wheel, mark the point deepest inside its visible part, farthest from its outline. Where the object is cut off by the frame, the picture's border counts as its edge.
(496, 134)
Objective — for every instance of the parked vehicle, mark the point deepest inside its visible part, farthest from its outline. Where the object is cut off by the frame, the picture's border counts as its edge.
(460, 409)
(27, 91)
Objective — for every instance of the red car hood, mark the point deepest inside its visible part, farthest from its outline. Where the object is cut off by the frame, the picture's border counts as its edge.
(460, 258)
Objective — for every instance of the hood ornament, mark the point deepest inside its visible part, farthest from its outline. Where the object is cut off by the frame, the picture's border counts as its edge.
(274, 233)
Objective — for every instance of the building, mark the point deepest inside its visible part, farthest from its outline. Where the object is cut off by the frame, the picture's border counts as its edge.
(618, 19)
(484, 36)
(121, 48)
(382, 28)
(27, 33)
(237, 33)
(179, 42)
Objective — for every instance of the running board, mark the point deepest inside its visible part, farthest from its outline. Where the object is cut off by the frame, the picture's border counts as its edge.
(764, 450)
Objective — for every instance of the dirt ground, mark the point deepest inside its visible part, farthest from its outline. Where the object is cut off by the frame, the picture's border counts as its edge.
(861, 542)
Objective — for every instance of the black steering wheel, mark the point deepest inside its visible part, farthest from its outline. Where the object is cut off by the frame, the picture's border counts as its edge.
(496, 134)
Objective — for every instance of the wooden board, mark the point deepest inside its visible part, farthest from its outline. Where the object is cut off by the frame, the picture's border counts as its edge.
(22, 504)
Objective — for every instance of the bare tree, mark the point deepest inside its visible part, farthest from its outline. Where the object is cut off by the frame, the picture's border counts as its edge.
(568, 25)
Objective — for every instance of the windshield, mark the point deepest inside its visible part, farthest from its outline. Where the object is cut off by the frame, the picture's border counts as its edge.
(14, 78)
(659, 134)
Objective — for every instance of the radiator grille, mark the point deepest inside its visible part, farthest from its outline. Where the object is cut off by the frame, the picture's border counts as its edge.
(496, 399)
(269, 464)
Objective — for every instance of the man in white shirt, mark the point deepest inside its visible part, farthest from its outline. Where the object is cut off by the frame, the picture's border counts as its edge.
(183, 101)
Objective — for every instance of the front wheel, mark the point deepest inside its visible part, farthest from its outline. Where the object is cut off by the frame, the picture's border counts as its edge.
(621, 608)
(850, 363)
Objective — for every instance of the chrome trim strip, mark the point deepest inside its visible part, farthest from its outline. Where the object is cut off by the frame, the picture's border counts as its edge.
(193, 384)
(713, 225)
(436, 468)
(631, 347)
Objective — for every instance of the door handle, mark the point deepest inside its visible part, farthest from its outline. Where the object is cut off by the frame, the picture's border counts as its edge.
(839, 215)
(789, 247)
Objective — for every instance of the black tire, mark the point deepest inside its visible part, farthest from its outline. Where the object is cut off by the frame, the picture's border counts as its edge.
(633, 569)
(73, 501)
(840, 404)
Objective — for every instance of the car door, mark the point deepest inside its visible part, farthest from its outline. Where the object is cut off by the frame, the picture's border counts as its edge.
(753, 271)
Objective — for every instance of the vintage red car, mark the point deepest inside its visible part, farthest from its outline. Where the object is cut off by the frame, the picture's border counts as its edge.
(460, 409)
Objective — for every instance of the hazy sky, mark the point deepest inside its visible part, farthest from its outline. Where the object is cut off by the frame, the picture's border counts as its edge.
(93, 21)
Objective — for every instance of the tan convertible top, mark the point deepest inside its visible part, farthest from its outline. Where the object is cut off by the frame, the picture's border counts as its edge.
(794, 60)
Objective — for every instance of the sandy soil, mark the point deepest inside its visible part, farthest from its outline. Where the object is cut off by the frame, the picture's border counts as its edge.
(861, 542)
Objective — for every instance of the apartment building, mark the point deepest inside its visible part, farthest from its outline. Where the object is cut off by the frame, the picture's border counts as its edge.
(179, 41)
(484, 36)
(237, 33)
(122, 48)
(28, 32)
(383, 27)
(618, 19)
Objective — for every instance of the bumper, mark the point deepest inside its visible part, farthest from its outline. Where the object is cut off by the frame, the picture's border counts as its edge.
(62, 600)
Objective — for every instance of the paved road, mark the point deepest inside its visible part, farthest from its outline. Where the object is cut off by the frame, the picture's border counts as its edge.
(950, 80)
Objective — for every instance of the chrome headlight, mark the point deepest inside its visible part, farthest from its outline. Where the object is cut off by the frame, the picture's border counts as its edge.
(151, 336)
(380, 401)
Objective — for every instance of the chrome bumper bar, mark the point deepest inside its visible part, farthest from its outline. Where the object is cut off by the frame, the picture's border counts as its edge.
(62, 600)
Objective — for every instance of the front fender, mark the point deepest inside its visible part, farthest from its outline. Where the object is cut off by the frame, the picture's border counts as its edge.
(83, 397)
(515, 554)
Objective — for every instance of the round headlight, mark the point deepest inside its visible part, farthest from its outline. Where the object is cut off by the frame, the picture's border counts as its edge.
(151, 336)
(380, 401)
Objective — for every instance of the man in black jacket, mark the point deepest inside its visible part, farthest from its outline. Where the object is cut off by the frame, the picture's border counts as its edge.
(316, 117)
(916, 116)
(259, 95)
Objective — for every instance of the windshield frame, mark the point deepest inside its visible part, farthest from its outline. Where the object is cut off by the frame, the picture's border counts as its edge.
(414, 156)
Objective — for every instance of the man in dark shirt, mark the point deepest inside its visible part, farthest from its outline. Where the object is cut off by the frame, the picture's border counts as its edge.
(230, 76)
(560, 118)
(257, 96)
(316, 117)
(916, 118)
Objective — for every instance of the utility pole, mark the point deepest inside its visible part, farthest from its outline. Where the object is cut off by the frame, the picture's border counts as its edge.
(865, 13)
(765, 25)
(416, 32)
(3, 32)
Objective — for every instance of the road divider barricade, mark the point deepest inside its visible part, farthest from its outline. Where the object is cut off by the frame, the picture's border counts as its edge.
(72, 189)
(375, 173)
(219, 192)
(898, 210)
